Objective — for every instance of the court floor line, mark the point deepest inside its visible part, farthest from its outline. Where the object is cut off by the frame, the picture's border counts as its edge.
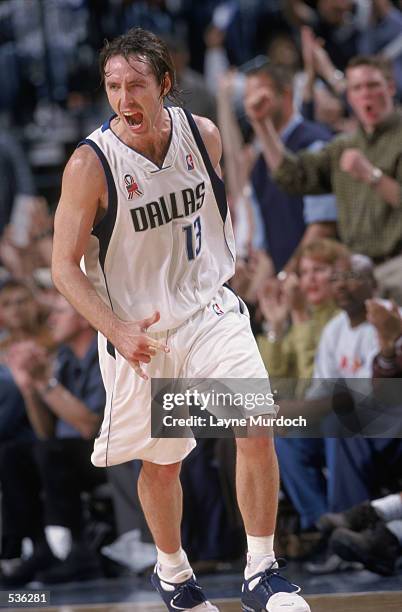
(387, 601)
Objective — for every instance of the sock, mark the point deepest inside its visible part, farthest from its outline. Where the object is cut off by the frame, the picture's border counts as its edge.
(260, 554)
(395, 527)
(60, 540)
(389, 508)
(173, 567)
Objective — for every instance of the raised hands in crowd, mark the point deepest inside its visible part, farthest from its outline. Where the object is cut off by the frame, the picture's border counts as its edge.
(30, 365)
(282, 300)
(21, 254)
(274, 305)
(250, 274)
(318, 63)
(387, 319)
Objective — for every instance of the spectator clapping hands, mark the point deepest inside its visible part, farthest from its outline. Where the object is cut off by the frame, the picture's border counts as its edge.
(283, 299)
(274, 306)
(251, 274)
(22, 257)
(18, 261)
(388, 322)
(29, 364)
(295, 298)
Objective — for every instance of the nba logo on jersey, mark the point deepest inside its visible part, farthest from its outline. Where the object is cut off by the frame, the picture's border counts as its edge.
(217, 309)
(189, 162)
(132, 187)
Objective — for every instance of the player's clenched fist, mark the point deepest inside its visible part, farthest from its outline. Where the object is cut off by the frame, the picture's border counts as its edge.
(135, 345)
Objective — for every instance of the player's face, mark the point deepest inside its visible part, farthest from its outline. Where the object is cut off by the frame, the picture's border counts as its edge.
(134, 93)
(370, 95)
(315, 280)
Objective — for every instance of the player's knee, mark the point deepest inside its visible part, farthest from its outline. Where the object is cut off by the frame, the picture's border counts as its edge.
(162, 473)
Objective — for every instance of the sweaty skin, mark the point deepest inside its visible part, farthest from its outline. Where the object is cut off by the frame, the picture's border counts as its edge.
(131, 88)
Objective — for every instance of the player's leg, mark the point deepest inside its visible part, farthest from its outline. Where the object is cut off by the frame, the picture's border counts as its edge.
(257, 486)
(161, 497)
(226, 349)
(257, 482)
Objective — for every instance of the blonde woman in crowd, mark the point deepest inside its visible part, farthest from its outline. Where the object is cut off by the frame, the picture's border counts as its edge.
(296, 307)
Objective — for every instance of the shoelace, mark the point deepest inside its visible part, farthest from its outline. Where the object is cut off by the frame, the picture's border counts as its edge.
(189, 588)
(271, 572)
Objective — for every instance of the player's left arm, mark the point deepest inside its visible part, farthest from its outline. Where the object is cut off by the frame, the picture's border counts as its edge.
(212, 140)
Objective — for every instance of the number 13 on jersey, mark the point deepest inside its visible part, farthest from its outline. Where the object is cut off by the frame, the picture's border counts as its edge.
(193, 238)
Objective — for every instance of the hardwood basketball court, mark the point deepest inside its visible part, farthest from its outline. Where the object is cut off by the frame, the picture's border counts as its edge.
(386, 601)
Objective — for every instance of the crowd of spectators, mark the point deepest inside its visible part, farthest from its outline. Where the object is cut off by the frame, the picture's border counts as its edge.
(307, 95)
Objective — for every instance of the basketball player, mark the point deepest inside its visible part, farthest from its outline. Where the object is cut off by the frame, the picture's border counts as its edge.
(144, 205)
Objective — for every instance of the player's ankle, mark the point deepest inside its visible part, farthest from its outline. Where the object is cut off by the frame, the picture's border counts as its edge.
(173, 566)
(260, 554)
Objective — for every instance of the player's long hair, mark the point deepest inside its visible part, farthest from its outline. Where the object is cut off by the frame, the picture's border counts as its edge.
(143, 44)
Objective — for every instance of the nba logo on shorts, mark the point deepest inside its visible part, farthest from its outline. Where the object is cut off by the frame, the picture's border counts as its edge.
(189, 162)
(217, 309)
(131, 186)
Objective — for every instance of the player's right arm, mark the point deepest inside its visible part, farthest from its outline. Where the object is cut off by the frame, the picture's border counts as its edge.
(84, 190)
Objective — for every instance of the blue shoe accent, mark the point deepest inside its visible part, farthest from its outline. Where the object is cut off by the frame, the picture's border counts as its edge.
(179, 596)
(258, 589)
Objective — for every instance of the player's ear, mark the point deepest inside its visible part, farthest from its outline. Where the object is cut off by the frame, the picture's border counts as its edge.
(166, 85)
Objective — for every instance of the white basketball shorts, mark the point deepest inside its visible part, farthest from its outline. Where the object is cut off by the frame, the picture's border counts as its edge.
(216, 342)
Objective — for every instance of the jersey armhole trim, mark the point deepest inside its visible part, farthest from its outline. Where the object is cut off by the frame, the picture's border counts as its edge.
(104, 229)
(218, 185)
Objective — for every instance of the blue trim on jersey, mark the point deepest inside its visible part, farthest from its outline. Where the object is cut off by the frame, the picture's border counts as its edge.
(241, 307)
(110, 422)
(218, 185)
(110, 349)
(106, 125)
(104, 229)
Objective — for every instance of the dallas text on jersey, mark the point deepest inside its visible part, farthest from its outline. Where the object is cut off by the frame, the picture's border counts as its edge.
(156, 213)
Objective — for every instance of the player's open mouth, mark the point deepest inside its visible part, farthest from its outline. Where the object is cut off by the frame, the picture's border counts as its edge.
(134, 120)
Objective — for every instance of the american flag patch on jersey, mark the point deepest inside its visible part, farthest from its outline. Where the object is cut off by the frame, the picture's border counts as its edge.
(132, 187)
(217, 309)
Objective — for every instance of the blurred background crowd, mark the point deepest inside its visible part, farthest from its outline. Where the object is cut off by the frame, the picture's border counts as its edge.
(319, 245)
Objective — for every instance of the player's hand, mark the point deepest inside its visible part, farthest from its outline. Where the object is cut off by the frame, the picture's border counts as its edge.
(136, 346)
(259, 105)
(355, 163)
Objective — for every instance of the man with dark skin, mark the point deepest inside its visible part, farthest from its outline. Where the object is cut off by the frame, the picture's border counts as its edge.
(341, 400)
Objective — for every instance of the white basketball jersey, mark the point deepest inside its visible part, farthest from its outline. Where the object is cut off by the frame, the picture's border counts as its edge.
(166, 242)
